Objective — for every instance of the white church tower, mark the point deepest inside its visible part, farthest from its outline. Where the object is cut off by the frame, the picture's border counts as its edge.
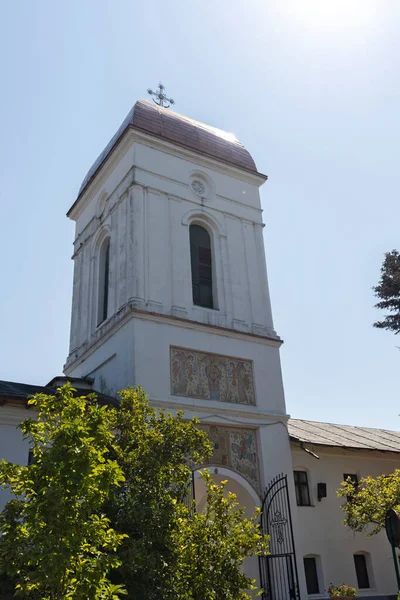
(170, 289)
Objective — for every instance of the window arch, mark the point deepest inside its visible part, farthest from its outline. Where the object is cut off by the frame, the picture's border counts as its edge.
(313, 573)
(201, 264)
(363, 567)
(104, 277)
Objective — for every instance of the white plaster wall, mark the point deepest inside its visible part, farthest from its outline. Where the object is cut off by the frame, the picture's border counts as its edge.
(111, 364)
(142, 197)
(13, 447)
(320, 528)
(153, 338)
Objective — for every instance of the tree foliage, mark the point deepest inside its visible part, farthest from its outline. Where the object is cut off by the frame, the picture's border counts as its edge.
(55, 542)
(213, 546)
(154, 450)
(171, 551)
(369, 500)
(102, 509)
(388, 290)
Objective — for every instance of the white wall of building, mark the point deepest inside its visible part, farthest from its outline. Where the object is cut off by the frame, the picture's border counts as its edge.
(146, 204)
(320, 529)
(143, 200)
(13, 447)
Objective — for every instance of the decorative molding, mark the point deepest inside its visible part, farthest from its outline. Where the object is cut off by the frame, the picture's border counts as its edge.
(205, 216)
(129, 138)
(188, 197)
(240, 325)
(198, 187)
(100, 177)
(201, 185)
(129, 310)
(218, 412)
(179, 311)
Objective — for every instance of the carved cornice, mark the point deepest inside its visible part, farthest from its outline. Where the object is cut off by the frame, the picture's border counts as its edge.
(131, 136)
(130, 310)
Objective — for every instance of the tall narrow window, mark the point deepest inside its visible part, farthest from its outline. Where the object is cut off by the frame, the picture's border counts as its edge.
(360, 564)
(104, 271)
(201, 262)
(310, 569)
(301, 487)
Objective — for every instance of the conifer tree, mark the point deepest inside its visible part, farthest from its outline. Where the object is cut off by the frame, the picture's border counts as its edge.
(388, 290)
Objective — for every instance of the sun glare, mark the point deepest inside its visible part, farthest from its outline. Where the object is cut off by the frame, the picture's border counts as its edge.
(332, 16)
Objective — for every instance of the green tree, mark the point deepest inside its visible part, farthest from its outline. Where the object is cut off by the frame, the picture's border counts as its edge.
(388, 290)
(155, 451)
(55, 542)
(369, 500)
(214, 544)
(102, 509)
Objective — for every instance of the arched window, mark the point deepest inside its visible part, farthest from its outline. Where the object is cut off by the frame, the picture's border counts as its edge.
(313, 573)
(201, 262)
(363, 566)
(104, 270)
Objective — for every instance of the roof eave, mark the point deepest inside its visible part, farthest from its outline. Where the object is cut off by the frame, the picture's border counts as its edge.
(340, 447)
(129, 127)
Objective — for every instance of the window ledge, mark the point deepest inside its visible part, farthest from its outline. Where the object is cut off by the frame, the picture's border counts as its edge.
(206, 308)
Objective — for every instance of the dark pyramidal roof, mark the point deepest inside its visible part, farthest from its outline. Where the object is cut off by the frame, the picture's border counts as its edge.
(152, 119)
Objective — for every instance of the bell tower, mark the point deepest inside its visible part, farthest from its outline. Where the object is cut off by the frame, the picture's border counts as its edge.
(171, 292)
(168, 247)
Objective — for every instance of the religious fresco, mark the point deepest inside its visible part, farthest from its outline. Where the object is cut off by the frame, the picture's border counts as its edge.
(211, 376)
(236, 448)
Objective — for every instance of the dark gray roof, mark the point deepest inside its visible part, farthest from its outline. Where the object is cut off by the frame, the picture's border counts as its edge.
(160, 122)
(10, 390)
(344, 436)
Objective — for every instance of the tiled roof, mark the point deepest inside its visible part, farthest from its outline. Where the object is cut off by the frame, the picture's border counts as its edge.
(22, 391)
(160, 122)
(344, 436)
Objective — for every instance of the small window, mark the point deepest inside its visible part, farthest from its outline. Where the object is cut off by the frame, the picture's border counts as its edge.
(353, 478)
(310, 569)
(201, 263)
(104, 274)
(360, 564)
(301, 486)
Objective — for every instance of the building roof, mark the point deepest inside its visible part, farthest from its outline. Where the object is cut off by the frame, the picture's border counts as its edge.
(343, 436)
(10, 390)
(160, 122)
(308, 432)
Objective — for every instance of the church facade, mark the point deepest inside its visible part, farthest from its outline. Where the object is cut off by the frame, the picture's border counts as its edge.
(170, 292)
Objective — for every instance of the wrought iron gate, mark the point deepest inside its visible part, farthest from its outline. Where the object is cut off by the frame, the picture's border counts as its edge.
(278, 571)
(189, 494)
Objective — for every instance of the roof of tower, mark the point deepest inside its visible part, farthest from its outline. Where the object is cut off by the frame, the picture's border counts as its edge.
(154, 120)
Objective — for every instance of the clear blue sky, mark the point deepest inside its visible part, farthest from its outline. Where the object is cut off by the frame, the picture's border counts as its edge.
(311, 87)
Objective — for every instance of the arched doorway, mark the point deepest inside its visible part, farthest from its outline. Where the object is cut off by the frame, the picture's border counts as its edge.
(246, 496)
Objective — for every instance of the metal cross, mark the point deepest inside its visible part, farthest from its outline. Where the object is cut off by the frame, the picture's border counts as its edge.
(279, 522)
(160, 96)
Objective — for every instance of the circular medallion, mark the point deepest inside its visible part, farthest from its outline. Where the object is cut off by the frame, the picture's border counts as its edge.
(198, 187)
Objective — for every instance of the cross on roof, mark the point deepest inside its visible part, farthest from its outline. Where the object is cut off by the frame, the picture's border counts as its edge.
(160, 97)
